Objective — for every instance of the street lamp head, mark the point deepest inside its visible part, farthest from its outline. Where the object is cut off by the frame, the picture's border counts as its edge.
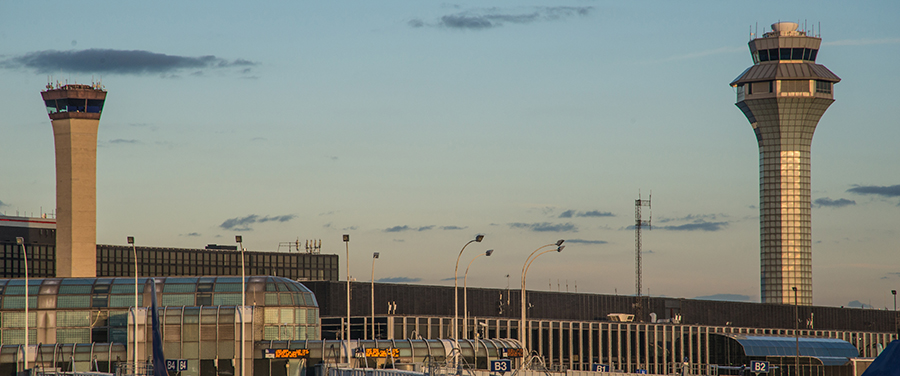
(375, 255)
(478, 238)
(489, 252)
(560, 248)
(130, 240)
(346, 237)
(238, 239)
(20, 240)
(794, 288)
(894, 292)
(559, 242)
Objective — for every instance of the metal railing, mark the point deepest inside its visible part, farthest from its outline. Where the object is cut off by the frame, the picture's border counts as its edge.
(128, 369)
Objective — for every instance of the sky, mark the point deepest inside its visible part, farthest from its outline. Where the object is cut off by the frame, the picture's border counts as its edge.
(414, 126)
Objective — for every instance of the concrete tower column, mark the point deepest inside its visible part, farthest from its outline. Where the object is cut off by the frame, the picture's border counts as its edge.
(75, 115)
(783, 95)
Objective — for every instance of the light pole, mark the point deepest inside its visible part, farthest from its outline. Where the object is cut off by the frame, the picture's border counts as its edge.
(21, 241)
(347, 337)
(374, 256)
(478, 238)
(130, 240)
(240, 240)
(897, 321)
(466, 295)
(796, 330)
(894, 292)
(522, 331)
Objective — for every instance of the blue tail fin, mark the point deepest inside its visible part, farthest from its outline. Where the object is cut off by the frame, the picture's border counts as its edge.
(159, 359)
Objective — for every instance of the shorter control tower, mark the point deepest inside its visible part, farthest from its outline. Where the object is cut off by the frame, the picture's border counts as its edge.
(783, 95)
(75, 115)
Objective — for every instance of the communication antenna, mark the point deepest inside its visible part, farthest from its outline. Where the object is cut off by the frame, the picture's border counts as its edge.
(638, 224)
(314, 246)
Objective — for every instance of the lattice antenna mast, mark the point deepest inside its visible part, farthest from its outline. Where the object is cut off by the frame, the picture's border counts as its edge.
(638, 224)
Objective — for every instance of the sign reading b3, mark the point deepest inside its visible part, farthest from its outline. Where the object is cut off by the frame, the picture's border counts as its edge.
(502, 365)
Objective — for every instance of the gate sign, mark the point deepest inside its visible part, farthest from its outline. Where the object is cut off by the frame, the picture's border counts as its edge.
(502, 365)
(599, 367)
(757, 366)
(176, 365)
(511, 353)
(285, 353)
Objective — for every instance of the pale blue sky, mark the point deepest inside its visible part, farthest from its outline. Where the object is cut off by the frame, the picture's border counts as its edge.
(414, 126)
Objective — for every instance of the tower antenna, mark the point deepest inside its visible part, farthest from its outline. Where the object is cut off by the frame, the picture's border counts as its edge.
(638, 224)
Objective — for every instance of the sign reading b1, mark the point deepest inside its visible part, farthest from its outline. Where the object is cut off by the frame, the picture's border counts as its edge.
(757, 366)
(502, 365)
(176, 365)
(599, 367)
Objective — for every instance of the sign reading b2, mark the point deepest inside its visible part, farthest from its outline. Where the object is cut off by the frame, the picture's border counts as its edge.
(757, 366)
(502, 365)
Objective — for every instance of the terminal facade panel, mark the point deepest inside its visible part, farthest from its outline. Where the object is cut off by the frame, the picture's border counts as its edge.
(118, 260)
(73, 322)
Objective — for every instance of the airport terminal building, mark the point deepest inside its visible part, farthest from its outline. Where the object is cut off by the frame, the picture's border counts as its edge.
(88, 323)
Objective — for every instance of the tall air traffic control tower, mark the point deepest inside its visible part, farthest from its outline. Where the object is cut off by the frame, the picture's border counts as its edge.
(783, 96)
(75, 114)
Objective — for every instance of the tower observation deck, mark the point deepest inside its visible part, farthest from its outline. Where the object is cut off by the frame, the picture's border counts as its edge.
(783, 95)
(74, 112)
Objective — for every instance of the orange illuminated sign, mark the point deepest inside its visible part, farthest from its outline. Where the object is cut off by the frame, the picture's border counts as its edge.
(286, 354)
(382, 353)
(513, 353)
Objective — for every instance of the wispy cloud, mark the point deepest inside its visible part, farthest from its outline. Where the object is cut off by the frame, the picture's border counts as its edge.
(192, 234)
(407, 228)
(592, 213)
(826, 201)
(398, 280)
(725, 297)
(696, 226)
(691, 217)
(487, 18)
(596, 213)
(243, 223)
(2, 204)
(127, 62)
(453, 228)
(702, 54)
(884, 191)
(583, 241)
(545, 227)
(567, 214)
(862, 42)
(123, 141)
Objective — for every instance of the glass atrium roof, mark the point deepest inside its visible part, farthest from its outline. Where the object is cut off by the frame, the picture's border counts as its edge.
(830, 351)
